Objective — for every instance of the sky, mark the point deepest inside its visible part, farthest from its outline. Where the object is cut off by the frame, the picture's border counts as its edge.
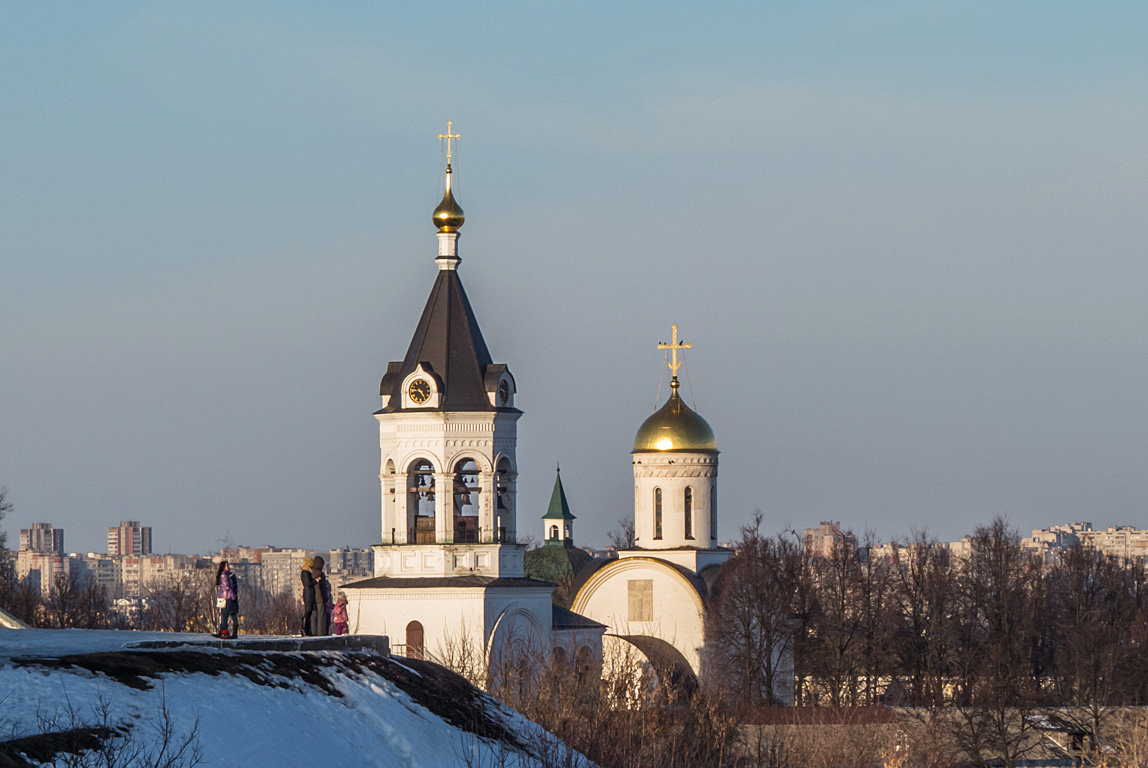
(907, 241)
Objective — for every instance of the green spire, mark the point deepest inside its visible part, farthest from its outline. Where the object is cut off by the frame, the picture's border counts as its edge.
(559, 508)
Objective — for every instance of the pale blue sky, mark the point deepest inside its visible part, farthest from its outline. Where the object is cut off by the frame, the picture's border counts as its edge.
(906, 239)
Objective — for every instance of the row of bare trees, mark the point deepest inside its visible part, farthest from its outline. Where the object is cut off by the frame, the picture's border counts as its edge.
(922, 627)
(992, 636)
(177, 603)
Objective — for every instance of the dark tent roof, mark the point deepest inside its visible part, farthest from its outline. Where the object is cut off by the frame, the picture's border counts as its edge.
(449, 343)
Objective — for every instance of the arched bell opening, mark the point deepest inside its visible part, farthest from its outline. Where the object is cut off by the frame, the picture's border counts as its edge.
(504, 489)
(465, 501)
(420, 503)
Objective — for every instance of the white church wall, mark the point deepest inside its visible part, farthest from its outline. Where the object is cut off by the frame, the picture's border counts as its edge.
(694, 560)
(449, 617)
(575, 642)
(457, 622)
(673, 473)
(438, 560)
(645, 597)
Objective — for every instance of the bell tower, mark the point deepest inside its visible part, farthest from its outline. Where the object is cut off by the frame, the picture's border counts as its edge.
(447, 434)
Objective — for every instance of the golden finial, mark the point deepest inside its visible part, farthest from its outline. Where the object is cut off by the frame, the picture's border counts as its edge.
(674, 346)
(448, 216)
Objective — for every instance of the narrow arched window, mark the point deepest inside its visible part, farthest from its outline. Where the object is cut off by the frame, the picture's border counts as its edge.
(689, 507)
(657, 513)
(553, 532)
(713, 513)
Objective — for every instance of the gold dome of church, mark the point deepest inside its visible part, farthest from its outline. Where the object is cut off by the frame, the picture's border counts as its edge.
(448, 216)
(675, 427)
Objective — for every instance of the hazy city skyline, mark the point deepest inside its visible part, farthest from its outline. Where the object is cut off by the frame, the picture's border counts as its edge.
(905, 240)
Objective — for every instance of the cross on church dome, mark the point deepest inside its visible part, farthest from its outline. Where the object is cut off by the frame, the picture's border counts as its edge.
(674, 346)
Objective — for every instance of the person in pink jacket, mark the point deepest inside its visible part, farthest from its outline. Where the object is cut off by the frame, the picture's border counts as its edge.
(339, 615)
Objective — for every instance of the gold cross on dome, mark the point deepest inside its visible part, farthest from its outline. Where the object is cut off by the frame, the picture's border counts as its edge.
(448, 137)
(674, 346)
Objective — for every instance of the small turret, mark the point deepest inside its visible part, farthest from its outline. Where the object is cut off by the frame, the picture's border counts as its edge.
(558, 520)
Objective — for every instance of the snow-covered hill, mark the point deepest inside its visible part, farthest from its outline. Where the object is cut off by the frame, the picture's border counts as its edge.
(254, 704)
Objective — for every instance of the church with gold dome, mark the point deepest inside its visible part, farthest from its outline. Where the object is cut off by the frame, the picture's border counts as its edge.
(652, 597)
(450, 570)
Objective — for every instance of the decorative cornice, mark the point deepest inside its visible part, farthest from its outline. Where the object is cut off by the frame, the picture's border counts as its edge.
(668, 472)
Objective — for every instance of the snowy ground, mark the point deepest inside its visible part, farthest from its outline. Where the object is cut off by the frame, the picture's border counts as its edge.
(254, 708)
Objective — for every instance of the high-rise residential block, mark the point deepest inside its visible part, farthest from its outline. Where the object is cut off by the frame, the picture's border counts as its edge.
(129, 538)
(42, 537)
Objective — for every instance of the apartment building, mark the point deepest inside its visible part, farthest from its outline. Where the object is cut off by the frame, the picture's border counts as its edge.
(129, 538)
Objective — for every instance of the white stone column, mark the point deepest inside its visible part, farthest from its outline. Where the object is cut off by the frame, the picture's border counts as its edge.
(390, 507)
(443, 507)
(509, 518)
(487, 499)
(403, 503)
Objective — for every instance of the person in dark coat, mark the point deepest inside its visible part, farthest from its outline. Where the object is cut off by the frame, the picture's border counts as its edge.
(320, 620)
(229, 594)
(308, 597)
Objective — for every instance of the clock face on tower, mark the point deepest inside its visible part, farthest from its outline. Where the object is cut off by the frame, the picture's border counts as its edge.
(503, 392)
(419, 391)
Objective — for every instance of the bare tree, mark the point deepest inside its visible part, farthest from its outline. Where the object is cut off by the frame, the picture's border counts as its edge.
(272, 614)
(875, 608)
(836, 626)
(1092, 605)
(625, 720)
(25, 604)
(996, 647)
(7, 568)
(171, 603)
(923, 597)
(622, 537)
(93, 609)
(753, 619)
(102, 738)
(63, 601)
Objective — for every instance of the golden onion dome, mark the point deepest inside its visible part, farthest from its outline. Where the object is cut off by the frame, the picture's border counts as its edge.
(675, 427)
(448, 217)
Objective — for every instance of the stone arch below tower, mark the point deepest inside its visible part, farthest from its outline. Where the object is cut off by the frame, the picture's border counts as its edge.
(516, 635)
(671, 666)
